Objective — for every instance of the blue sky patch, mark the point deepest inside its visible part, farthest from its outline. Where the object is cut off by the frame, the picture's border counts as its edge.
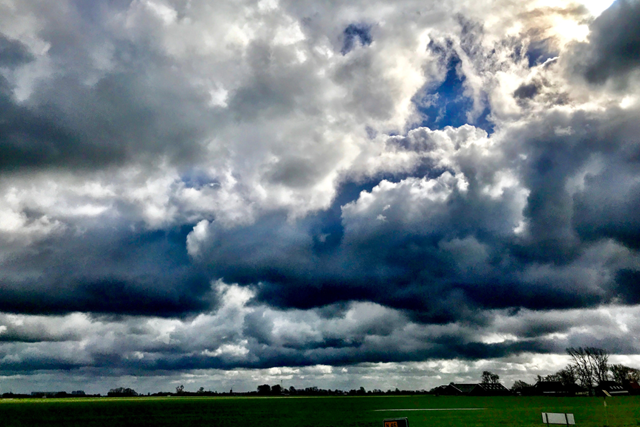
(448, 105)
(538, 52)
(196, 178)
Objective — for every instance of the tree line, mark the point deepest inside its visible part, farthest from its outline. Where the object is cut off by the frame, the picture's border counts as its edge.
(589, 368)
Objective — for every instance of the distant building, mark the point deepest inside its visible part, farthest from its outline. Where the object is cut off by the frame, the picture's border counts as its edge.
(446, 390)
(472, 390)
(47, 393)
(554, 388)
(549, 388)
(633, 387)
(468, 389)
(611, 387)
(492, 389)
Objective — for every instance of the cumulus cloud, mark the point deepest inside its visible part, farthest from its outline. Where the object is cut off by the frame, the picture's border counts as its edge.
(614, 45)
(452, 181)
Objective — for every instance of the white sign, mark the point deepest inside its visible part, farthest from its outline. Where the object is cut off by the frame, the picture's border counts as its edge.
(551, 418)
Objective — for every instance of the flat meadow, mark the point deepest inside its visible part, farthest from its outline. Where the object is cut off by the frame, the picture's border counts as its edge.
(422, 411)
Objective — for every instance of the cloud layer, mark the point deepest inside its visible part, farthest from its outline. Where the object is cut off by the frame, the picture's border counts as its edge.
(276, 184)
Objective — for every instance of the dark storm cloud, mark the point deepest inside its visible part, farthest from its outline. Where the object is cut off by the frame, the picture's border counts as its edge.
(356, 34)
(628, 281)
(613, 50)
(30, 138)
(607, 205)
(526, 91)
(261, 353)
(107, 102)
(35, 335)
(69, 125)
(271, 357)
(13, 52)
(452, 260)
(599, 150)
(106, 271)
(40, 365)
(255, 336)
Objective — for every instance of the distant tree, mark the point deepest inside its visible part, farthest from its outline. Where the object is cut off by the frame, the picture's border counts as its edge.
(264, 389)
(276, 390)
(362, 391)
(623, 374)
(121, 392)
(292, 390)
(180, 389)
(490, 378)
(519, 386)
(566, 376)
(601, 364)
(201, 390)
(548, 378)
(590, 365)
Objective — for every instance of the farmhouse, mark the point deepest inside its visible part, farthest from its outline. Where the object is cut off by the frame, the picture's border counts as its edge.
(633, 387)
(611, 387)
(554, 388)
(480, 389)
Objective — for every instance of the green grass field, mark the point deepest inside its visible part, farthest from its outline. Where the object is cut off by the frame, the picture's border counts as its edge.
(314, 411)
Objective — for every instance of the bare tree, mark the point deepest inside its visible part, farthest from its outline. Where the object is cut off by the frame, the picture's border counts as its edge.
(600, 359)
(568, 376)
(591, 365)
(582, 366)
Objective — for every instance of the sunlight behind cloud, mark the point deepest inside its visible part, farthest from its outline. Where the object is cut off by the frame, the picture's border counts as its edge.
(596, 7)
(569, 30)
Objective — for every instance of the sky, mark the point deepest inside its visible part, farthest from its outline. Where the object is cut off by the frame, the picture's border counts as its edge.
(223, 194)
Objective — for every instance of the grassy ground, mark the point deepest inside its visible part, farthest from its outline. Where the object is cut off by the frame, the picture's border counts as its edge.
(315, 412)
